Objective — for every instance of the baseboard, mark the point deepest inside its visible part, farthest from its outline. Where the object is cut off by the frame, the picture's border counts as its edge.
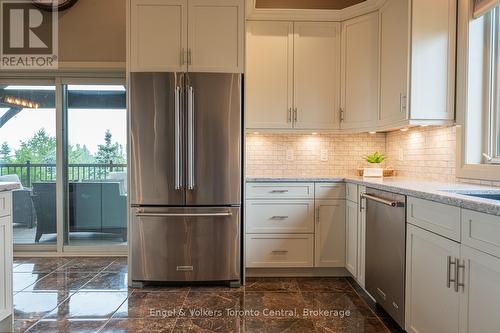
(297, 272)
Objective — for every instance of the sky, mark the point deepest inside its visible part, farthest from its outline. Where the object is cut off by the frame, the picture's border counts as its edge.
(85, 126)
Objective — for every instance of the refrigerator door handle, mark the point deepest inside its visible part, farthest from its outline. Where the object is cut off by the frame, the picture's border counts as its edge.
(177, 135)
(191, 181)
(183, 214)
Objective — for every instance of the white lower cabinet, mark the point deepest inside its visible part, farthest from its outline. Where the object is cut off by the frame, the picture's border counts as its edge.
(279, 250)
(432, 304)
(351, 235)
(480, 296)
(5, 264)
(329, 242)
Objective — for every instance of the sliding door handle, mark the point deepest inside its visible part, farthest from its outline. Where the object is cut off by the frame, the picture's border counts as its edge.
(191, 180)
(177, 138)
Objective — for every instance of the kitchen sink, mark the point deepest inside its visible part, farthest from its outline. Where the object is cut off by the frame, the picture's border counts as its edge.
(492, 195)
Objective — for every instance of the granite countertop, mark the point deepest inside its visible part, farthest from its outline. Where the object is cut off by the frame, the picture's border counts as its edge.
(428, 190)
(8, 186)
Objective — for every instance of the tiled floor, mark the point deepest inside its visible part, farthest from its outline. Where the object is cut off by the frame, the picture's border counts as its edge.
(91, 295)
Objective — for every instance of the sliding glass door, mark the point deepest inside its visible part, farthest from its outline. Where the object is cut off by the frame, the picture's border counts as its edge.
(28, 157)
(65, 142)
(96, 166)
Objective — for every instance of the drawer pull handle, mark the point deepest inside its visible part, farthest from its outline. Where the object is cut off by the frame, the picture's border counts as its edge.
(280, 251)
(279, 191)
(279, 217)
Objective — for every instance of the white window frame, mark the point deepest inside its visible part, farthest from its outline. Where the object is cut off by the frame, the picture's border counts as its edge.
(486, 167)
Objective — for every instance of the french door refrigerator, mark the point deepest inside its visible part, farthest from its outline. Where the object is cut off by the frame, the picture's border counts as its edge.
(186, 175)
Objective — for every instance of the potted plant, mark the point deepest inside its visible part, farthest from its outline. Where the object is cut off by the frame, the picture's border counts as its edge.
(375, 170)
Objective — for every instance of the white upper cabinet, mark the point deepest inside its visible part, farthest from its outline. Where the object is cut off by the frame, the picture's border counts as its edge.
(423, 92)
(359, 72)
(158, 35)
(292, 75)
(269, 74)
(394, 39)
(216, 33)
(316, 75)
(181, 35)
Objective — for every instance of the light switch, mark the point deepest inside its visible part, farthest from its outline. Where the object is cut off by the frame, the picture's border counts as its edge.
(289, 155)
(324, 155)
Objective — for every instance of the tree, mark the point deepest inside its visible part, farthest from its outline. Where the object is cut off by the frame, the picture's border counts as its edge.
(5, 153)
(40, 148)
(80, 154)
(109, 151)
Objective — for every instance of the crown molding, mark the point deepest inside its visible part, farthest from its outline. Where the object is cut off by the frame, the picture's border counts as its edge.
(253, 13)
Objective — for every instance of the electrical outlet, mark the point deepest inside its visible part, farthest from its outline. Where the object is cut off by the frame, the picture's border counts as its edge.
(401, 154)
(289, 155)
(324, 155)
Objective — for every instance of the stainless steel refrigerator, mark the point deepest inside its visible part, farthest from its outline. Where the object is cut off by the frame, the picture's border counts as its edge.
(186, 175)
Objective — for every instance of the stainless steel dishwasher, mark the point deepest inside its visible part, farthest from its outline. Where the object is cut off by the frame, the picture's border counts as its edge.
(385, 250)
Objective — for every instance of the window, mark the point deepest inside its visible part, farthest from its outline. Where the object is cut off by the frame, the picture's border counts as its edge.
(478, 90)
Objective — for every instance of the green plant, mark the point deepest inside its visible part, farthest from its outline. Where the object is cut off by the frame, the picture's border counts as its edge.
(376, 157)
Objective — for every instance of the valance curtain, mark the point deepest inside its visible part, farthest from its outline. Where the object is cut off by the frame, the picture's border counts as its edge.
(481, 7)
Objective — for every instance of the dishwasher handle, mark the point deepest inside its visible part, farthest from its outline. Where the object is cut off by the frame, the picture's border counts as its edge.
(382, 200)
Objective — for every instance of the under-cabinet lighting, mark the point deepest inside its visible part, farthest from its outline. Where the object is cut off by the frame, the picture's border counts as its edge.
(256, 133)
(424, 125)
(314, 133)
(372, 132)
(404, 129)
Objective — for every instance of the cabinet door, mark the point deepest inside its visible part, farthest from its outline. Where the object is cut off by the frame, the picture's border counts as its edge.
(351, 236)
(431, 306)
(480, 298)
(359, 95)
(158, 34)
(394, 45)
(5, 267)
(330, 233)
(316, 75)
(216, 33)
(269, 74)
(361, 238)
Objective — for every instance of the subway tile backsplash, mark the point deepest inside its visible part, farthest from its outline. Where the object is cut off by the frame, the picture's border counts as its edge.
(421, 153)
(300, 155)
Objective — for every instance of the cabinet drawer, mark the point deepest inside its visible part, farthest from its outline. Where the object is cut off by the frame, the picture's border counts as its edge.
(5, 204)
(280, 190)
(279, 216)
(351, 192)
(329, 191)
(439, 218)
(279, 250)
(481, 231)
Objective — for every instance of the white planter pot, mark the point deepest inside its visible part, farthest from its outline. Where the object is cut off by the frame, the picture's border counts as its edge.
(373, 172)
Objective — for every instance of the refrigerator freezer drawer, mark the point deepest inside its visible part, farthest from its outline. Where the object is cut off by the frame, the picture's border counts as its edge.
(186, 244)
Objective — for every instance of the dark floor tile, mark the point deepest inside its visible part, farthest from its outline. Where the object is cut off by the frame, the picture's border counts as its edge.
(89, 305)
(87, 265)
(139, 326)
(278, 325)
(274, 304)
(35, 305)
(67, 326)
(272, 284)
(352, 324)
(212, 304)
(63, 281)
(331, 284)
(154, 305)
(209, 325)
(120, 265)
(108, 281)
(41, 265)
(23, 280)
(337, 302)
